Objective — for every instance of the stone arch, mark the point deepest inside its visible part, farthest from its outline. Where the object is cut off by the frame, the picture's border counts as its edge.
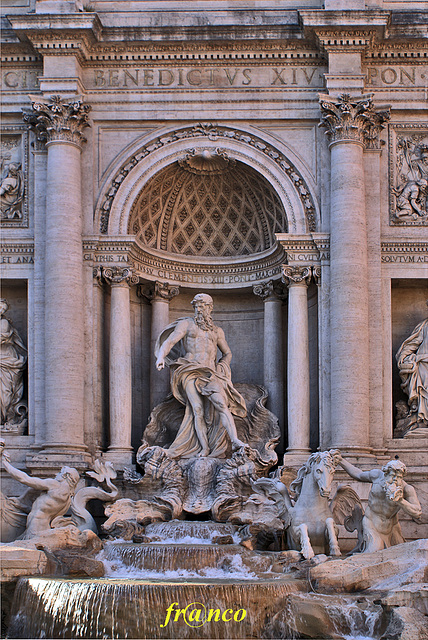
(140, 163)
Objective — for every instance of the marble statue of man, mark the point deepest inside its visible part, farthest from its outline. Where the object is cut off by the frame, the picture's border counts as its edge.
(201, 383)
(53, 502)
(412, 360)
(11, 192)
(388, 494)
(12, 364)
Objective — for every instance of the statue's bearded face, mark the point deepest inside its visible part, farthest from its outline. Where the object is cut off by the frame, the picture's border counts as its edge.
(203, 311)
(392, 483)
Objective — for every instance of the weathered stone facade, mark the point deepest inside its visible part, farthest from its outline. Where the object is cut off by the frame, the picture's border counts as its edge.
(275, 157)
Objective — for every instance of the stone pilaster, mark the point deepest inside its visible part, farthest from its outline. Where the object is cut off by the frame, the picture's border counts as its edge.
(120, 369)
(298, 391)
(160, 295)
(351, 123)
(272, 294)
(60, 124)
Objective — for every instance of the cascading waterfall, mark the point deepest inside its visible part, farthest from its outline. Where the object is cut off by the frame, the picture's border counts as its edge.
(180, 590)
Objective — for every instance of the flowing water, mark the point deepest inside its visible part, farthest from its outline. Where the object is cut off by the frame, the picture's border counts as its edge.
(173, 588)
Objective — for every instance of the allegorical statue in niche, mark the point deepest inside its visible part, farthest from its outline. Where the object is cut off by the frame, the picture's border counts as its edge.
(12, 192)
(201, 383)
(412, 361)
(388, 495)
(53, 502)
(12, 365)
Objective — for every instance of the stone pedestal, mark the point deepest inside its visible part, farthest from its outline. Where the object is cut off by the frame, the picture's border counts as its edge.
(298, 393)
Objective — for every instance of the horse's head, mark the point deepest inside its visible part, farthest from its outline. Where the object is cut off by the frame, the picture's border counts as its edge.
(323, 467)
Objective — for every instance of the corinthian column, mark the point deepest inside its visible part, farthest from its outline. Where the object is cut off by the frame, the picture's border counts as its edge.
(272, 295)
(60, 124)
(298, 391)
(120, 366)
(350, 122)
(160, 295)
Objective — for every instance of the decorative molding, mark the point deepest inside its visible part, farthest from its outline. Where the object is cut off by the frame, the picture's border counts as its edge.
(184, 270)
(59, 120)
(120, 276)
(316, 273)
(348, 118)
(212, 132)
(408, 174)
(309, 249)
(158, 291)
(292, 276)
(13, 253)
(409, 252)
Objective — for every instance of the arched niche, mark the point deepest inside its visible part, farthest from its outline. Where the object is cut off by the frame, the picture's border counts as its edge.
(139, 165)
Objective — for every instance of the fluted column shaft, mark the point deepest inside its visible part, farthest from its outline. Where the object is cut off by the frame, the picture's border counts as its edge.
(64, 298)
(60, 125)
(120, 366)
(298, 394)
(350, 123)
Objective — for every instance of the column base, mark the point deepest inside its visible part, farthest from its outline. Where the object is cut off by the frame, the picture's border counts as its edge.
(120, 457)
(49, 460)
(296, 457)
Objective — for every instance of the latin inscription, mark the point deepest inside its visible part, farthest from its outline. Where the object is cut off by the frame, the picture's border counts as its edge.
(16, 259)
(204, 77)
(220, 77)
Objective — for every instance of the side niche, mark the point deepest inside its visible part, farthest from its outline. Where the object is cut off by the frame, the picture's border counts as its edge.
(13, 358)
(14, 177)
(408, 153)
(410, 361)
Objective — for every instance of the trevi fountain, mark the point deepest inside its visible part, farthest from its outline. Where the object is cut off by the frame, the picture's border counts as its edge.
(213, 319)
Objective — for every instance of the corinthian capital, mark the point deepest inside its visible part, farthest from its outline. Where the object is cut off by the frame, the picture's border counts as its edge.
(347, 118)
(296, 275)
(117, 275)
(159, 291)
(59, 120)
(270, 290)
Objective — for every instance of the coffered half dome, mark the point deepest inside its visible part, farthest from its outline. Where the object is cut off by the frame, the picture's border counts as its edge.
(207, 204)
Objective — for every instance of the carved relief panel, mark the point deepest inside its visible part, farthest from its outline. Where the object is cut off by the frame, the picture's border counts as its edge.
(14, 176)
(408, 153)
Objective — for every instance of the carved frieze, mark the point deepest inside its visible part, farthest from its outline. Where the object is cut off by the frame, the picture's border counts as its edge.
(59, 120)
(13, 177)
(212, 132)
(349, 118)
(408, 153)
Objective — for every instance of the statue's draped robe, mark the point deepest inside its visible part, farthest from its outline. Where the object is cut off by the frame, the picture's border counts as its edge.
(412, 360)
(207, 381)
(11, 370)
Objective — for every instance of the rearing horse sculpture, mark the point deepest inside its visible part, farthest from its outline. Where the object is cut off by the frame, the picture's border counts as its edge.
(310, 517)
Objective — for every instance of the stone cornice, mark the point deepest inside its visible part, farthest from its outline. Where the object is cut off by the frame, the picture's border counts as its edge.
(406, 251)
(190, 271)
(311, 249)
